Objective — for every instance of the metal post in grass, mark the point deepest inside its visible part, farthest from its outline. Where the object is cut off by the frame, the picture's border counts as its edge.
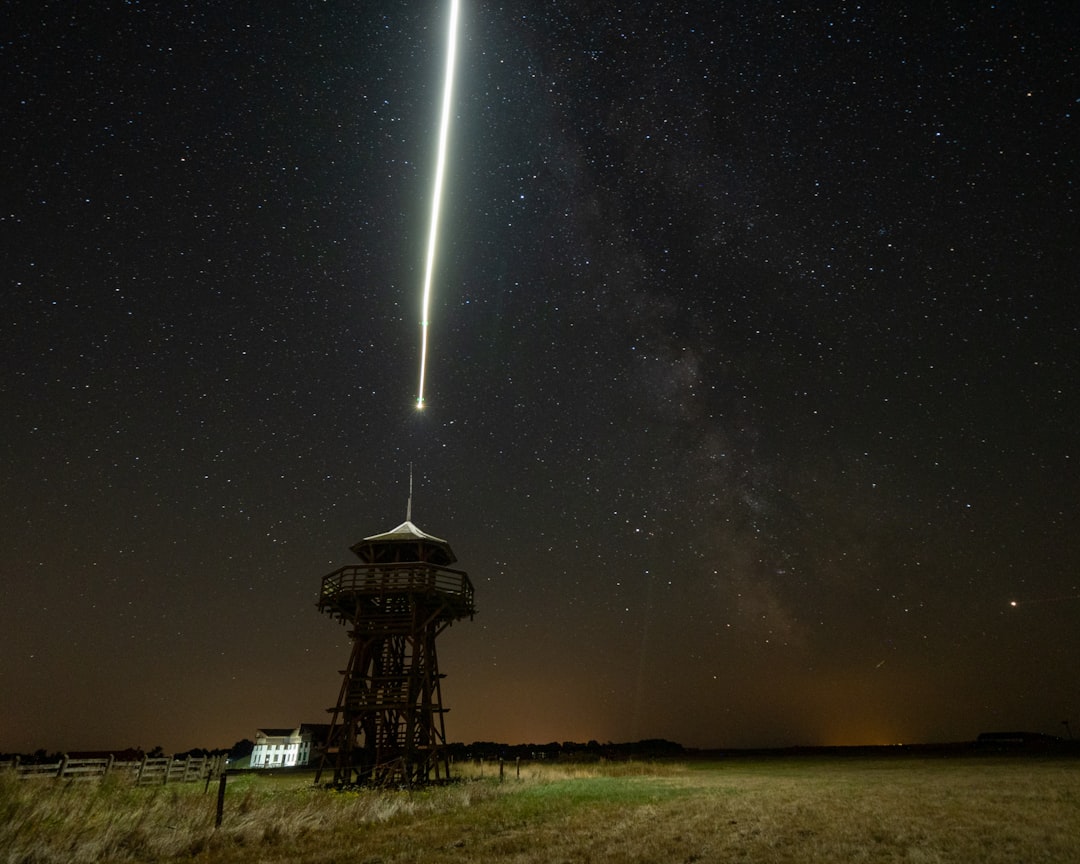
(220, 799)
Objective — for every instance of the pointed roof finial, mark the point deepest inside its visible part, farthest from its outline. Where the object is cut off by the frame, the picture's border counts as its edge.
(408, 507)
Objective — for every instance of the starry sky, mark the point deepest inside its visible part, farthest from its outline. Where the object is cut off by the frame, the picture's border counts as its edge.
(752, 385)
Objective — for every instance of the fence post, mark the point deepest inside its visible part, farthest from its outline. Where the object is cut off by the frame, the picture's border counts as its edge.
(501, 769)
(220, 799)
(62, 766)
(108, 766)
(517, 764)
(142, 768)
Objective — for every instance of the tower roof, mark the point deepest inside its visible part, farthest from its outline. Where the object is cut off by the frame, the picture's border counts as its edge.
(405, 543)
(405, 531)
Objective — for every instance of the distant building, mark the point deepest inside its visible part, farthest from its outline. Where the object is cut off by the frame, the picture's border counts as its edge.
(287, 748)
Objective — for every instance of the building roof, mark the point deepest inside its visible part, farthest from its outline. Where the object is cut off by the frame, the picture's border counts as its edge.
(405, 544)
(288, 732)
(405, 531)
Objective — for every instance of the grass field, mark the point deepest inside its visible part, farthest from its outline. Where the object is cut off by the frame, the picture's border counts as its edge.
(758, 810)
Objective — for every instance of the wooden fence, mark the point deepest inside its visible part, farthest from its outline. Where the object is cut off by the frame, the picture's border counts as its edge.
(146, 772)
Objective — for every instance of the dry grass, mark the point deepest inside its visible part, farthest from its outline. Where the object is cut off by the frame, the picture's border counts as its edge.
(763, 811)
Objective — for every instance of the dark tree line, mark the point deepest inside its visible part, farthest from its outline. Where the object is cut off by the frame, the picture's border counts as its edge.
(567, 751)
(41, 756)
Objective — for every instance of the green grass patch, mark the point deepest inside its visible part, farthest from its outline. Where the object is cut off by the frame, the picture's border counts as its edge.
(603, 790)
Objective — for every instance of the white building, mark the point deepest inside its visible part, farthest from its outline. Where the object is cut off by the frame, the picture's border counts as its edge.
(287, 748)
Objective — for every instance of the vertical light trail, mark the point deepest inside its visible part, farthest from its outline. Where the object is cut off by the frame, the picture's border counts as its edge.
(440, 167)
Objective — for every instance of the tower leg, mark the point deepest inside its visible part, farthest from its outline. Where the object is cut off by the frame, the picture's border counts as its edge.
(387, 727)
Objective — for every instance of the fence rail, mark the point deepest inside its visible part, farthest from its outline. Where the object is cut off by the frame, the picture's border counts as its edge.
(145, 772)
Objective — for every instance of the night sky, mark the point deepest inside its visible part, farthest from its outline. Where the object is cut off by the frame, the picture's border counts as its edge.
(752, 387)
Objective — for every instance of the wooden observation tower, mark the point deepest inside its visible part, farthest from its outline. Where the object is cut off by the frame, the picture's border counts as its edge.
(387, 727)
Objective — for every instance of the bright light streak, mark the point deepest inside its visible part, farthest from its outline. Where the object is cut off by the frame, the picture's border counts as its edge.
(433, 235)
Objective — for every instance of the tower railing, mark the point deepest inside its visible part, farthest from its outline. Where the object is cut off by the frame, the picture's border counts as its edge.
(341, 589)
